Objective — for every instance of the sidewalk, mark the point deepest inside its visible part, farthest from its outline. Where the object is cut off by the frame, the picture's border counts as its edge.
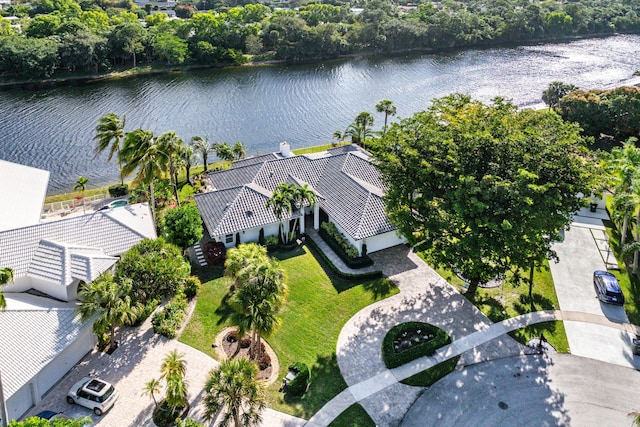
(334, 258)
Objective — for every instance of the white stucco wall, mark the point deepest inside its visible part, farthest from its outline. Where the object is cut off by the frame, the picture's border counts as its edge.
(250, 235)
(383, 241)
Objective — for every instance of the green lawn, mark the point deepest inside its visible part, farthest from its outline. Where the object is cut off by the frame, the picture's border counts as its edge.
(317, 307)
(510, 300)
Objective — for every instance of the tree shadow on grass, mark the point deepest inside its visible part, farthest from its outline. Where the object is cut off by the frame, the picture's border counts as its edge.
(298, 251)
(225, 309)
(379, 288)
(525, 305)
(325, 383)
(496, 311)
(206, 274)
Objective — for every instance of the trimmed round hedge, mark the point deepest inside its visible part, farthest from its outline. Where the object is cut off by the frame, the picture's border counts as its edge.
(393, 359)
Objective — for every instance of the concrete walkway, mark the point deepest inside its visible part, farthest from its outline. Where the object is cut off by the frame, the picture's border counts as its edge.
(334, 258)
(381, 381)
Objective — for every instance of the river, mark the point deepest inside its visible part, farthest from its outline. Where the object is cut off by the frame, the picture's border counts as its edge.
(261, 106)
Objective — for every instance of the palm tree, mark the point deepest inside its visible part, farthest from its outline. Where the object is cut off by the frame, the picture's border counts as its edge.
(172, 145)
(239, 151)
(224, 151)
(281, 203)
(173, 364)
(554, 93)
(6, 276)
(385, 106)
(233, 386)
(303, 196)
(109, 134)
(111, 300)
(81, 186)
(173, 370)
(624, 170)
(141, 151)
(189, 159)
(259, 300)
(365, 121)
(241, 258)
(203, 147)
(152, 388)
(339, 136)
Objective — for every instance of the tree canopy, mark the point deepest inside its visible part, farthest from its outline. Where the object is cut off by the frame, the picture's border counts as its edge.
(490, 186)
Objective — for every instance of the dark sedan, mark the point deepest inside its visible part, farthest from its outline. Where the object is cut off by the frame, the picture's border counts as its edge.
(607, 287)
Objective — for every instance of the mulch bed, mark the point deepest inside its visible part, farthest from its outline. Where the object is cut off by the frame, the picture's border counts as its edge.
(230, 347)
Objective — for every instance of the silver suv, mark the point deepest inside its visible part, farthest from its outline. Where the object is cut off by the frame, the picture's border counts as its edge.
(94, 394)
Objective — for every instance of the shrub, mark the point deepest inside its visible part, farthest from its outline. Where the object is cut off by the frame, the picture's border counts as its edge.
(346, 276)
(341, 246)
(264, 361)
(271, 242)
(118, 190)
(393, 359)
(261, 237)
(182, 226)
(245, 342)
(146, 311)
(191, 287)
(167, 321)
(215, 252)
(298, 385)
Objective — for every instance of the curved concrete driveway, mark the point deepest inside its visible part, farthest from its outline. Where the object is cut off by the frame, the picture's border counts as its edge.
(527, 391)
(424, 296)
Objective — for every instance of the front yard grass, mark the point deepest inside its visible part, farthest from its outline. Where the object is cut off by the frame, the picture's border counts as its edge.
(510, 300)
(316, 309)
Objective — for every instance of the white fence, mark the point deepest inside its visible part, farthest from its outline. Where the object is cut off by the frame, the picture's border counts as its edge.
(66, 206)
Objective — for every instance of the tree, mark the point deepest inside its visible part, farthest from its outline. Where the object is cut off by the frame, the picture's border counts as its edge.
(360, 129)
(59, 422)
(338, 136)
(224, 151)
(127, 40)
(385, 106)
(111, 300)
(156, 267)
(491, 186)
(203, 146)
(109, 135)
(554, 93)
(142, 152)
(170, 48)
(233, 387)
(239, 151)
(81, 186)
(173, 370)
(302, 197)
(172, 146)
(182, 226)
(6, 276)
(280, 203)
(240, 259)
(151, 388)
(189, 159)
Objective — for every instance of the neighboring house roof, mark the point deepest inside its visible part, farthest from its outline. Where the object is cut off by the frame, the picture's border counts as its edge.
(33, 331)
(21, 208)
(347, 183)
(81, 245)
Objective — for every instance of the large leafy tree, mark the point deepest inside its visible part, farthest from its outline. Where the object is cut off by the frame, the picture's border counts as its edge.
(490, 186)
(156, 267)
(6, 276)
(109, 136)
(182, 226)
(109, 298)
(233, 387)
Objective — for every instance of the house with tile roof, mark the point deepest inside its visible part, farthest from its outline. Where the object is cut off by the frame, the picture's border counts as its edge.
(50, 261)
(348, 187)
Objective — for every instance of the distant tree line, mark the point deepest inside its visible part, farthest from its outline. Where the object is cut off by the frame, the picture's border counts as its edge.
(96, 36)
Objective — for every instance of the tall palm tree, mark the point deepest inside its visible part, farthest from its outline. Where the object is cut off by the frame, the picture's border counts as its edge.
(6, 276)
(224, 151)
(171, 144)
(173, 364)
(203, 146)
(111, 300)
(233, 386)
(281, 203)
(173, 370)
(365, 121)
(386, 106)
(239, 151)
(189, 159)
(151, 388)
(241, 258)
(339, 136)
(109, 134)
(624, 170)
(302, 196)
(259, 301)
(81, 186)
(142, 152)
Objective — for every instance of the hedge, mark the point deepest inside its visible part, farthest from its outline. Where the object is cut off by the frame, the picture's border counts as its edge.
(393, 359)
(346, 276)
(298, 386)
(337, 242)
(168, 320)
(118, 190)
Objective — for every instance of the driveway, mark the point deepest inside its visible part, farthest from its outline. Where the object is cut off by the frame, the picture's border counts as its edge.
(136, 361)
(561, 390)
(580, 254)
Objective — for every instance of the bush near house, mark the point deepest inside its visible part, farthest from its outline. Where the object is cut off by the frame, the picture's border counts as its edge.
(341, 246)
(191, 287)
(346, 276)
(167, 321)
(215, 252)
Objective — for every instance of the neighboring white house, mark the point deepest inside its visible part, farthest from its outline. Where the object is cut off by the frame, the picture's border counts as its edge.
(41, 337)
(347, 184)
(19, 209)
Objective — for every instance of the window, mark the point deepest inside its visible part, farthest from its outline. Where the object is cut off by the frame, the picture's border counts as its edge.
(228, 238)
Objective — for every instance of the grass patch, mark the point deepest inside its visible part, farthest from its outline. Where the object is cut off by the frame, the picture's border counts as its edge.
(553, 332)
(319, 148)
(512, 299)
(354, 416)
(629, 283)
(432, 375)
(316, 309)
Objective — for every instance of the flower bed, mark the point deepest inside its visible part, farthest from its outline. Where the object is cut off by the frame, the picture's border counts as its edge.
(408, 341)
(341, 246)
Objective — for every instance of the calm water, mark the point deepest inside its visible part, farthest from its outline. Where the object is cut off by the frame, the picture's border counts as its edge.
(262, 106)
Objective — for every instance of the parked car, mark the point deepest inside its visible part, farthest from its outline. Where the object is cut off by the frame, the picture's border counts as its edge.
(94, 394)
(607, 287)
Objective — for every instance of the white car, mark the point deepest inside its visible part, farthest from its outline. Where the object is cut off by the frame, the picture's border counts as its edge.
(94, 394)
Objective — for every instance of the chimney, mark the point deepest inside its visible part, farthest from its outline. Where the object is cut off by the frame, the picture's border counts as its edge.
(285, 149)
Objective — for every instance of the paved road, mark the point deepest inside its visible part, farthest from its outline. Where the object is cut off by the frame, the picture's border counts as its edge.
(528, 391)
(579, 256)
